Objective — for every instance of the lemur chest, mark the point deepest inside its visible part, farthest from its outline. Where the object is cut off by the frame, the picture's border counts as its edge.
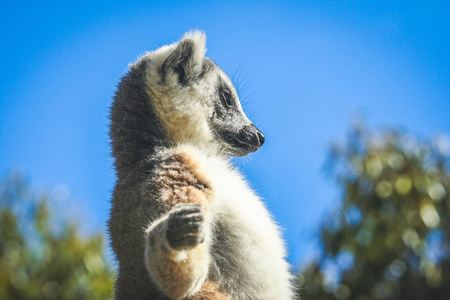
(240, 212)
(246, 247)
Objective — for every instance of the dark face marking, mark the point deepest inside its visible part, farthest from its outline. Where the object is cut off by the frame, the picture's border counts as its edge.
(226, 110)
(231, 127)
(226, 97)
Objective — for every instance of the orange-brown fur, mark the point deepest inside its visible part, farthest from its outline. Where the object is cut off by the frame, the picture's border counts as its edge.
(182, 181)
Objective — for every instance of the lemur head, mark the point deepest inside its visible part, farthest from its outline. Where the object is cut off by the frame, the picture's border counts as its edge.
(196, 101)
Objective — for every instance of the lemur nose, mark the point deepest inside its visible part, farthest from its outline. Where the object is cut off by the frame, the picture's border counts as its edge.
(260, 137)
(254, 136)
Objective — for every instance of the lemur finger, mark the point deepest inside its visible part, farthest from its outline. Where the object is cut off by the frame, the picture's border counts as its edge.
(178, 223)
(183, 213)
(187, 215)
(193, 227)
(186, 210)
(187, 241)
(192, 217)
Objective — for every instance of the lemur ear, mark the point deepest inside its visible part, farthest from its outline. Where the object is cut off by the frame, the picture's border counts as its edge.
(185, 62)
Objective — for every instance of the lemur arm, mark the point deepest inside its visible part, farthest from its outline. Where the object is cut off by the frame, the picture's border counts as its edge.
(177, 244)
(177, 256)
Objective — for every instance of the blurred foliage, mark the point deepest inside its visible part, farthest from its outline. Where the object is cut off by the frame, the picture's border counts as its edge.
(43, 257)
(390, 237)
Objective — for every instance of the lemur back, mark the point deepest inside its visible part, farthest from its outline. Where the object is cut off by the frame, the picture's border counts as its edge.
(184, 223)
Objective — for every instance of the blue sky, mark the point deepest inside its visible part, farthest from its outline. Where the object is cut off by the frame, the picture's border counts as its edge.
(309, 68)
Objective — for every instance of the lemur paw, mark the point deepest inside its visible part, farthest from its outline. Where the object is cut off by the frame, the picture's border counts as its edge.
(185, 226)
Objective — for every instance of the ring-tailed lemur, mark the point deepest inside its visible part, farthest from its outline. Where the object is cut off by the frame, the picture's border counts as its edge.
(184, 223)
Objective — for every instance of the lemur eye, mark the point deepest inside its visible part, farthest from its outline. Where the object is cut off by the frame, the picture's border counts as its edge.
(226, 98)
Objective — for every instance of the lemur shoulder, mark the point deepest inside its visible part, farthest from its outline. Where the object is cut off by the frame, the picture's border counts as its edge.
(184, 223)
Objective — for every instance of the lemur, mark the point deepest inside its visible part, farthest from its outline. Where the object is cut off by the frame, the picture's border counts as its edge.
(184, 223)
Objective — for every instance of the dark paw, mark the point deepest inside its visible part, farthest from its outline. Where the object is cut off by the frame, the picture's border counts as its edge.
(185, 226)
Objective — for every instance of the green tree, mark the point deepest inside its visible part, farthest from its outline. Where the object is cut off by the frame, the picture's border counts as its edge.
(43, 257)
(390, 237)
